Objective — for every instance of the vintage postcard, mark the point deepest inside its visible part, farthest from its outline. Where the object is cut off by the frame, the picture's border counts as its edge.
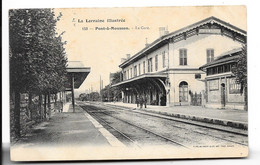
(128, 83)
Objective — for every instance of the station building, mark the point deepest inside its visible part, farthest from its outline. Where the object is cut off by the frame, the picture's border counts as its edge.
(167, 71)
(222, 90)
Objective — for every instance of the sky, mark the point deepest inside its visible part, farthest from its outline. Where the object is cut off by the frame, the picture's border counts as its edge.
(102, 50)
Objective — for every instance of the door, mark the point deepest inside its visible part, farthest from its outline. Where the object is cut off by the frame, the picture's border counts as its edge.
(223, 95)
(183, 91)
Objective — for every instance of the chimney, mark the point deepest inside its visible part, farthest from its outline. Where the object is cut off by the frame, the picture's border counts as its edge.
(163, 31)
(128, 56)
(123, 60)
(166, 31)
(146, 43)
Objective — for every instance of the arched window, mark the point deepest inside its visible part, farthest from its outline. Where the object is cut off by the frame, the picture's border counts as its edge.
(183, 91)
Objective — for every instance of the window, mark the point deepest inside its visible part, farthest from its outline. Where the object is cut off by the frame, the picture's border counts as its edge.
(139, 69)
(163, 59)
(219, 69)
(227, 67)
(124, 75)
(210, 55)
(148, 70)
(234, 86)
(197, 76)
(150, 65)
(156, 62)
(209, 71)
(128, 74)
(183, 56)
(131, 73)
(214, 70)
(135, 71)
(144, 67)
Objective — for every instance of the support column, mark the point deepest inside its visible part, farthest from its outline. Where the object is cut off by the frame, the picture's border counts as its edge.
(72, 91)
(61, 101)
(168, 98)
(64, 96)
(123, 96)
(130, 97)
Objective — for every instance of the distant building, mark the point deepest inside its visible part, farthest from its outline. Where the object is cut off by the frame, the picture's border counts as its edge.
(166, 72)
(222, 90)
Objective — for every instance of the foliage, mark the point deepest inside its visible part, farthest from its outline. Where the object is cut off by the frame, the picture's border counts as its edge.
(240, 69)
(110, 93)
(116, 77)
(93, 96)
(37, 56)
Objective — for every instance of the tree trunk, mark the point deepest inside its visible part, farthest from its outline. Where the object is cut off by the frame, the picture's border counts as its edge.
(40, 105)
(49, 105)
(17, 114)
(56, 95)
(30, 106)
(45, 105)
(245, 95)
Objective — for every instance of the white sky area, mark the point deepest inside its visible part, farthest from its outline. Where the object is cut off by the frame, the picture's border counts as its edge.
(102, 50)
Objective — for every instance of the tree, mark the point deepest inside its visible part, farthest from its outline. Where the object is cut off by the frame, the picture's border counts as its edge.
(110, 92)
(116, 77)
(83, 97)
(94, 96)
(240, 71)
(116, 91)
(37, 56)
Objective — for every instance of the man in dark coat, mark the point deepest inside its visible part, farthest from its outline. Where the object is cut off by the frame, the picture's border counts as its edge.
(145, 101)
(137, 101)
(141, 101)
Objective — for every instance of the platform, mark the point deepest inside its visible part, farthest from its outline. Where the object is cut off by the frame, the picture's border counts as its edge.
(226, 117)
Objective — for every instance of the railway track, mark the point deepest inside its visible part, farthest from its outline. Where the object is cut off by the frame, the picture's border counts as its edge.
(119, 124)
(205, 133)
(195, 124)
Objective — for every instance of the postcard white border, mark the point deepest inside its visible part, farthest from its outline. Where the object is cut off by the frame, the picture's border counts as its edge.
(253, 63)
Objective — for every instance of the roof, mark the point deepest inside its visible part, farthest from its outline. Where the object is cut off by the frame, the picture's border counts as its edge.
(79, 71)
(230, 56)
(75, 64)
(163, 39)
(141, 77)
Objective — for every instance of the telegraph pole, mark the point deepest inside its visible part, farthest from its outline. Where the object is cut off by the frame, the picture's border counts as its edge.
(100, 92)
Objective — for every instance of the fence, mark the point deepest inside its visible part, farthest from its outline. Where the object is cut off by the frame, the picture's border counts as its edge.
(196, 99)
(31, 114)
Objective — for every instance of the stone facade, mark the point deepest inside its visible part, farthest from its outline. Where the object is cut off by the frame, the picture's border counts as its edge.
(177, 56)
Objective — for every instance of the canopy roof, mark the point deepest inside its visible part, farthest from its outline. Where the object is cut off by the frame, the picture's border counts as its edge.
(141, 78)
(79, 71)
(227, 57)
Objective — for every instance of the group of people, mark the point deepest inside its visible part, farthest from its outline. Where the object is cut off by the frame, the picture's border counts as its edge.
(142, 101)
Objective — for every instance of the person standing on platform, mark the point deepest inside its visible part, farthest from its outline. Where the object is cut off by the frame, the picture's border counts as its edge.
(145, 101)
(141, 102)
(137, 101)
